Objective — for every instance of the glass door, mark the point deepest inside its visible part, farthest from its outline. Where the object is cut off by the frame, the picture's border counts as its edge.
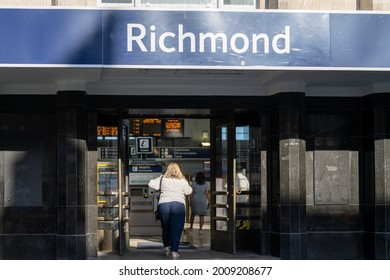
(222, 227)
(248, 182)
(236, 183)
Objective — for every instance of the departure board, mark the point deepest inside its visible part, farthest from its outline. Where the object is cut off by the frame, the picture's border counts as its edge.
(151, 127)
(173, 128)
(107, 131)
(135, 127)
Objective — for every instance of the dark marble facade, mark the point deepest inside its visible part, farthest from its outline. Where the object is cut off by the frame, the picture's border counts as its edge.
(288, 187)
(376, 174)
(333, 144)
(47, 177)
(76, 173)
(28, 191)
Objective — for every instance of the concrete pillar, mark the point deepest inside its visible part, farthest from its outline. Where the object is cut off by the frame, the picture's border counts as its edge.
(76, 177)
(288, 191)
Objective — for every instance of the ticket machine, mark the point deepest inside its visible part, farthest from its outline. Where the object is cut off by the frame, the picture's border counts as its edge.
(143, 201)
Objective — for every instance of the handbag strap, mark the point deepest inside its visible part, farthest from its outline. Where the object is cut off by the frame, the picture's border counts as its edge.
(161, 180)
(159, 192)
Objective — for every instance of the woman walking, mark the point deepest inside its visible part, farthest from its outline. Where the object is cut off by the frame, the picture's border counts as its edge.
(200, 200)
(174, 188)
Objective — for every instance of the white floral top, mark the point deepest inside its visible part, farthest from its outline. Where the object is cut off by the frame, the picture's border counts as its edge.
(171, 189)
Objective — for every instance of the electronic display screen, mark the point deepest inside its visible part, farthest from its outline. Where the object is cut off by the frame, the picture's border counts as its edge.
(107, 131)
(136, 192)
(148, 127)
(173, 128)
(152, 127)
(135, 127)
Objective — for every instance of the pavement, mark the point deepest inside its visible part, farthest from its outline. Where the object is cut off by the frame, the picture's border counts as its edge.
(199, 251)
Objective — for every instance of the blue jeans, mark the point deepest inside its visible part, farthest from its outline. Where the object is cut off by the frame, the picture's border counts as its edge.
(172, 217)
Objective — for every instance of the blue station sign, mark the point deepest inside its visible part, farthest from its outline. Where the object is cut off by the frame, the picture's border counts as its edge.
(193, 39)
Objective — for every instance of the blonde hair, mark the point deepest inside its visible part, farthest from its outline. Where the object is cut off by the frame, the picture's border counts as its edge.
(173, 171)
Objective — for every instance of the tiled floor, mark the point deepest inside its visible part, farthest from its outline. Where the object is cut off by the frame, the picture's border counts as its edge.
(200, 241)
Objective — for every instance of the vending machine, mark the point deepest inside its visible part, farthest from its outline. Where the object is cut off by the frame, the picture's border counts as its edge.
(143, 200)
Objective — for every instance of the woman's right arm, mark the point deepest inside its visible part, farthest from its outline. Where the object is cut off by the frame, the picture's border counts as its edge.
(155, 183)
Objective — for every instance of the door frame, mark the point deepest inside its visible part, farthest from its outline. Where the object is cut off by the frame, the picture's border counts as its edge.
(123, 186)
(222, 240)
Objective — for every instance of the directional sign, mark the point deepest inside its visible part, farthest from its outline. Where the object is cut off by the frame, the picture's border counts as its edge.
(144, 145)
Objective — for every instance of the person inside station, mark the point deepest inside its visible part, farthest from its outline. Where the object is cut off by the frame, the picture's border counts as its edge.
(199, 200)
(241, 185)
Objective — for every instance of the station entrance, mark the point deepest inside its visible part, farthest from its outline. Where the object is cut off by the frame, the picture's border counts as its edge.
(225, 146)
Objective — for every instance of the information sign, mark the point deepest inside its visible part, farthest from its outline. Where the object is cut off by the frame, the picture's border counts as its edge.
(144, 145)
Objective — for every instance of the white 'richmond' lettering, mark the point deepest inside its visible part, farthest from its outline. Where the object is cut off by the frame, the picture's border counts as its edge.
(239, 43)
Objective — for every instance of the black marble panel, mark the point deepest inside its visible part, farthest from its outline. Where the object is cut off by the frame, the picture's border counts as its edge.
(275, 217)
(21, 104)
(274, 101)
(61, 178)
(28, 247)
(333, 103)
(333, 123)
(274, 121)
(81, 251)
(387, 248)
(291, 99)
(71, 220)
(298, 246)
(61, 247)
(381, 99)
(293, 246)
(368, 220)
(381, 241)
(61, 220)
(387, 123)
(275, 244)
(295, 218)
(71, 247)
(369, 245)
(302, 218)
(291, 123)
(285, 219)
(71, 97)
(380, 218)
(333, 218)
(368, 176)
(285, 246)
(368, 122)
(387, 220)
(368, 101)
(335, 246)
(82, 219)
(379, 122)
(2, 183)
(265, 243)
(61, 121)
(82, 162)
(81, 122)
(28, 220)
